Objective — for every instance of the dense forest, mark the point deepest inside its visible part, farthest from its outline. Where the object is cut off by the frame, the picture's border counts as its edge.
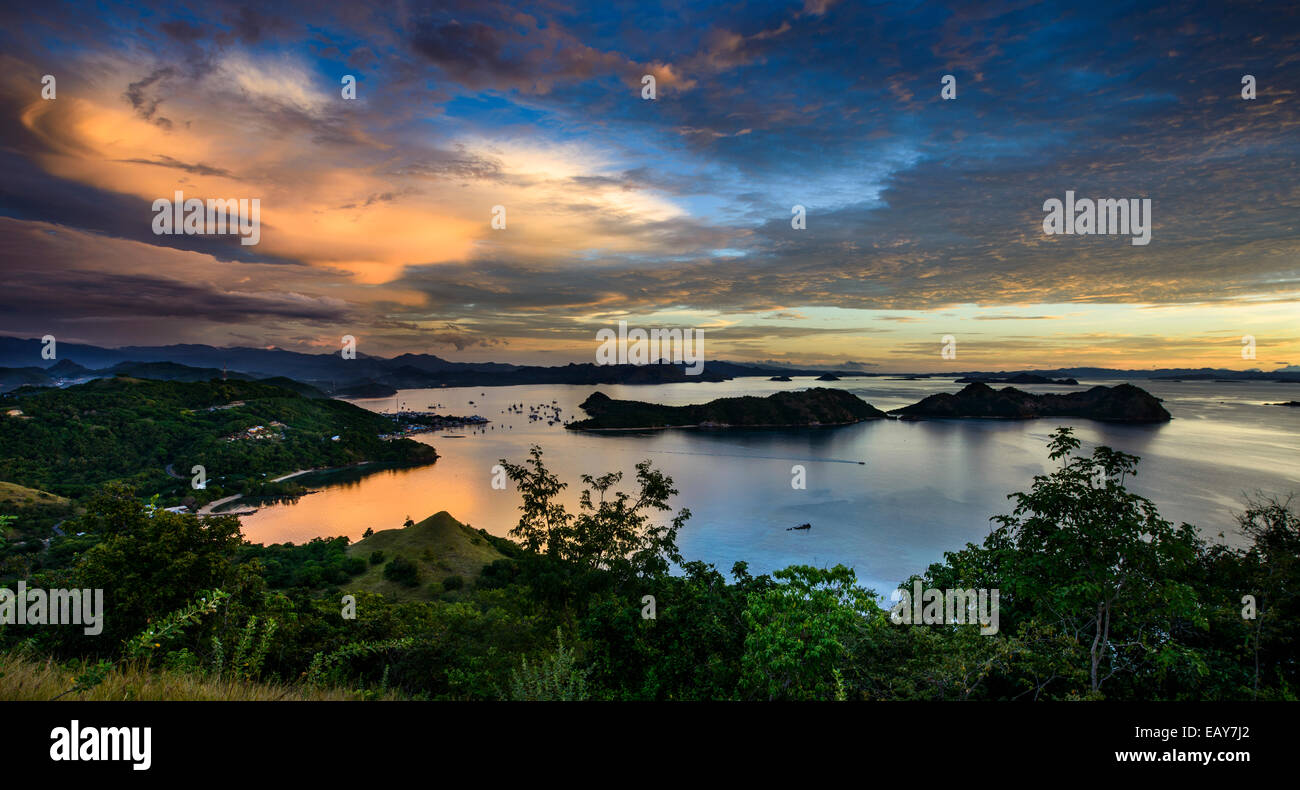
(150, 434)
(1100, 598)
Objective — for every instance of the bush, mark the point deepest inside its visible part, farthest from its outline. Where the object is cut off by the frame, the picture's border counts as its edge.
(555, 678)
(310, 576)
(402, 571)
(453, 582)
(499, 574)
(376, 557)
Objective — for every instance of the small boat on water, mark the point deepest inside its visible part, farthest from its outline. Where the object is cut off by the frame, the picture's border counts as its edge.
(801, 526)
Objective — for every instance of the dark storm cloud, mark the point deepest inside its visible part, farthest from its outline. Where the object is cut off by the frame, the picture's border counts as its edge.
(42, 296)
(28, 193)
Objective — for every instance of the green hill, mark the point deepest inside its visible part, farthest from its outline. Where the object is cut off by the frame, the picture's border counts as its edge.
(70, 441)
(439, 547)
(16, 497)
(31, 508)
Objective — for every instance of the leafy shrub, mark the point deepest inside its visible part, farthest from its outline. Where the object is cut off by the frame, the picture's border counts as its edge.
(556, 678)
(402, 571)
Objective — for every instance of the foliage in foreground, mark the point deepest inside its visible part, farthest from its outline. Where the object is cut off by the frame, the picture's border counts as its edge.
(1101, 598)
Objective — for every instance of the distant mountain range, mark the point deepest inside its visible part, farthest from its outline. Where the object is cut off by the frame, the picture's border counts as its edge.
(21, 364)
(66, 372)
(1290, 373)
(365, 376)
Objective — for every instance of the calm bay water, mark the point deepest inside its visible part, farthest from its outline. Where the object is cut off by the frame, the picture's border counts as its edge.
(924, 487)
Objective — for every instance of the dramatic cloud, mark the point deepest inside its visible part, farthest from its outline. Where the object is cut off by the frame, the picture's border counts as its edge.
(923, 216)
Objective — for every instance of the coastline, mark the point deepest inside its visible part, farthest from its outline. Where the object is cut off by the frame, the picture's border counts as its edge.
(210, 508)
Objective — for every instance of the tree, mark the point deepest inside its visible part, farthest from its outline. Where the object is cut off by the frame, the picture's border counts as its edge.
(801, 630)
(1083, 554)
(150, 562)
(402, 571)
(612, 532)
(1261, 587)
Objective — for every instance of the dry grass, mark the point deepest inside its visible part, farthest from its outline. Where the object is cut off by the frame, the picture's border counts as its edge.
(15, 496)
(27, 678)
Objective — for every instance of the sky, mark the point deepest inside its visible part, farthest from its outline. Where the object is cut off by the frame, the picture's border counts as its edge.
(922, 215)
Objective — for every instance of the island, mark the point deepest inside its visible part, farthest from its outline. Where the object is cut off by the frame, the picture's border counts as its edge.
(780, 378)
(1017, 378)
(828, 377)
(804, 409)
(1121, 403)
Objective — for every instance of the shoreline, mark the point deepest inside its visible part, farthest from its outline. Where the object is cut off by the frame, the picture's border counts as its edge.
(210, 508)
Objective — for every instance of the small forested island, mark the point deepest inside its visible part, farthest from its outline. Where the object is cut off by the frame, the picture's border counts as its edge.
(828, 377)
(1017, 378)
(780, 378)
(806, 408)
(1121, 403)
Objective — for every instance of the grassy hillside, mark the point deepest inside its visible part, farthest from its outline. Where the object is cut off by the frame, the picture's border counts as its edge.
(14, 497)
(31, 507)
(439, 547)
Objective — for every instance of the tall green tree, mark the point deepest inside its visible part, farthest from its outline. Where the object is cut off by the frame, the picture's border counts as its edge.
(613, 531)
(801, 630)
(150, 562)
(1085, 556)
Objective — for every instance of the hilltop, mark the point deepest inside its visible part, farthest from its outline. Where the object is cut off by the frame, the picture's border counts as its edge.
(806, 408)
(440, 547)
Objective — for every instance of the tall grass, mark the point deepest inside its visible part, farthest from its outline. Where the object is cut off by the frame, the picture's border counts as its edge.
(24, 677)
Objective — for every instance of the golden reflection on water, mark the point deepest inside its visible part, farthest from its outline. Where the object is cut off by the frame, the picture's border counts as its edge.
(391, 496)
